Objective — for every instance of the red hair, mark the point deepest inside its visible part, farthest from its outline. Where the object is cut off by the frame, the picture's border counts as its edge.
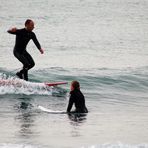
(75, 84)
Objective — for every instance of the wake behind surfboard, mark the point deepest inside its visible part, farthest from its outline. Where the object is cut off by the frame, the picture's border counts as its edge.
(20, 82)
(13, 85)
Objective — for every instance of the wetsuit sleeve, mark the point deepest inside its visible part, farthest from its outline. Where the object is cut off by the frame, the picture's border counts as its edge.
(11, 32)
(36, 41)
(71, 101)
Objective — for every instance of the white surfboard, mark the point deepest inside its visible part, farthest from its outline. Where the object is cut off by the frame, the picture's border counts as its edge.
(51, 111)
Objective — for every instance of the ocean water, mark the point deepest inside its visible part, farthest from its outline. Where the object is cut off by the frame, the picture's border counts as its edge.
(102, 44)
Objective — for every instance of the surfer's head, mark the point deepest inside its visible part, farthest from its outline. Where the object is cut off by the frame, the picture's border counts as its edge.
(29, 24)
(75, 85)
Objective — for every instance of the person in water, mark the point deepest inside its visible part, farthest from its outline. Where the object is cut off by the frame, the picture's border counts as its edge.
(23, 36)
(77, 98)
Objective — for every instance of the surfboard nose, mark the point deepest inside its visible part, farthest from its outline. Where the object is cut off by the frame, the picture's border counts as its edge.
(55, 83)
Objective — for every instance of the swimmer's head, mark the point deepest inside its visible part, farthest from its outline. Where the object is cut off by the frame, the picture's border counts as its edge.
(75, 85)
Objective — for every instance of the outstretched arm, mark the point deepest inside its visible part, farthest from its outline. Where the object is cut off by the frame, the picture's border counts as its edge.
(12, 30)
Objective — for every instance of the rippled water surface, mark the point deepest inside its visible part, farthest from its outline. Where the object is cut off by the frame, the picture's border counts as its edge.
(102, 44)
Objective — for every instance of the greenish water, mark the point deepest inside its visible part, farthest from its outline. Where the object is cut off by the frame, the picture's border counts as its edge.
(103, 45)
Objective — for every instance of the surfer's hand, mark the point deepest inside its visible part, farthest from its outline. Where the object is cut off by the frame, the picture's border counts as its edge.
(42, 51)
(13, 29)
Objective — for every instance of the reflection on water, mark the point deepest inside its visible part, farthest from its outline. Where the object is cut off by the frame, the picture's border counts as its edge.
(77, 117)
(76, 121)
(25, 105)
(25, 118)
(26, 124)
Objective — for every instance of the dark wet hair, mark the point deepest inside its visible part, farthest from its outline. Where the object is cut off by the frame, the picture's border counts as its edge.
(75, 84)
(27, 22)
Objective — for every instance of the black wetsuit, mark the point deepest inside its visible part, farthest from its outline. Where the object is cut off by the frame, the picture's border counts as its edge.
(22, 38)
(77, 98)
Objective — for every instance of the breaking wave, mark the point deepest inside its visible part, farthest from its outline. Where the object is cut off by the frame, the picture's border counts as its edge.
(12, 85)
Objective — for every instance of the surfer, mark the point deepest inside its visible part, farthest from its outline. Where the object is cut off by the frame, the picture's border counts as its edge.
(23, 36)
(77, 98)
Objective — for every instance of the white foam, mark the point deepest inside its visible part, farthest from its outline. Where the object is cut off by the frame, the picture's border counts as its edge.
(13, 85)
(17, 146)
(118, 145)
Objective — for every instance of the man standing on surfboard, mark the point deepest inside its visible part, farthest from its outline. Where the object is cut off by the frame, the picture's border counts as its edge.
(23, 36)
